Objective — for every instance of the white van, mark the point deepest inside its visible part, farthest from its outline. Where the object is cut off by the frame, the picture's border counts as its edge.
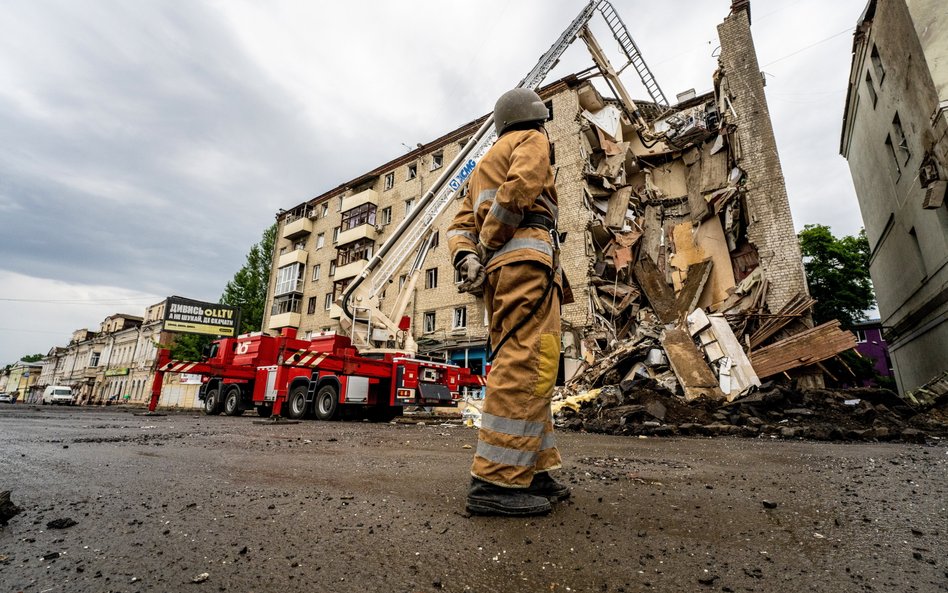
(58, 394)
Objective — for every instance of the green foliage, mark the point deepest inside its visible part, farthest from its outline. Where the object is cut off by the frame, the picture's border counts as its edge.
(248, 289)
(837, 271)
(190, 346)
(33, 357)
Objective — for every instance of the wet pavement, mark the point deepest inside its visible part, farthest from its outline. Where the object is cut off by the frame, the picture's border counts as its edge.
(161, 502)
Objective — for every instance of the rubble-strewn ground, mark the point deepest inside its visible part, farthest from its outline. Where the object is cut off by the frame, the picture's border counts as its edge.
(644, 407)
(160, 501)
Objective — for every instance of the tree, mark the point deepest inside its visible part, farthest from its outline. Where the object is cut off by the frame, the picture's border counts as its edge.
(247, 290)
(837, 271)
(32, 357)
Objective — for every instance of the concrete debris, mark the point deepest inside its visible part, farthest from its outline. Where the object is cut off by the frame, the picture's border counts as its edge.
(645, 408)
(8, 510)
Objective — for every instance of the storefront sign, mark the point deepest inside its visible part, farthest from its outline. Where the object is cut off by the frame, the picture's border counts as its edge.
(196, 317)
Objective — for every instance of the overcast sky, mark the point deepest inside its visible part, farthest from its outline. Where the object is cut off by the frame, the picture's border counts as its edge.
(145, 146)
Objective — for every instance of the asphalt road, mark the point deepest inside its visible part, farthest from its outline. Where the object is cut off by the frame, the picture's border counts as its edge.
(354, 506)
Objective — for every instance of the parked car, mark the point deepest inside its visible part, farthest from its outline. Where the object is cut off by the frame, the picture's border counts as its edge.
(58, 394)
(7, 398)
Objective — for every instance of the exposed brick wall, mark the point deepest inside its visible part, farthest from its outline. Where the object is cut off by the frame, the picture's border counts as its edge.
(771, 224)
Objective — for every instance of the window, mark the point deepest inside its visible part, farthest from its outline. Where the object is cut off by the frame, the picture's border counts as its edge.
(436, 240)
(320, 240)
(895, 158)
(332, 268)
(311, 305)
(340, 287)
(325, 210)
(401, 282)
(358, 216)
(355, 251)
(900, 142)
(409, 204)
(431, 278)
(549, 107)
(389, 181)
(335, 235)
(871, 88)
(413, 170)
(437, 160)
(429, 322)
(300, 245)
(860, 335)
(94, 359)
(327, 302)
(315, 272)
(460, 318)
(457, 276)
(877, 64)
(289, 279)
(339, 207)
(386, 217)
(282, 250)
(291, 303)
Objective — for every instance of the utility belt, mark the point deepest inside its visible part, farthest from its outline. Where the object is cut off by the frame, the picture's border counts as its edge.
(534, 220)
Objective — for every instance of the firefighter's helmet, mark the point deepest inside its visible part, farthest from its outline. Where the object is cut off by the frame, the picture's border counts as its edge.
(518, 106)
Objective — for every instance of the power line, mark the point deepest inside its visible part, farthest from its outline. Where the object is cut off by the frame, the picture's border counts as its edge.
(806, 47)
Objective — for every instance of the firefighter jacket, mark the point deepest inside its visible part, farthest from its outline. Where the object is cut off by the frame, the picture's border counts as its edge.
(513, 179)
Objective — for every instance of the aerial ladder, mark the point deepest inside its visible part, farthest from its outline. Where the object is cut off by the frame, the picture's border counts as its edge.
(371, 328)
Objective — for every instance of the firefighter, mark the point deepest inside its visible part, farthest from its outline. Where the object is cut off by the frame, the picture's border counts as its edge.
(505, 245)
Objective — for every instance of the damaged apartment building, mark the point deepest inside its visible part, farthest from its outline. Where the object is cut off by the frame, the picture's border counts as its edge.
(680, 246)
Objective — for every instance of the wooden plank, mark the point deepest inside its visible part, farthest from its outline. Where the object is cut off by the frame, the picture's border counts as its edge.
(618, 208)
(670, 179)
(690, 368)
(659, 295)
(714, 169)
(696, 202)
(691, 290)
(802, 349)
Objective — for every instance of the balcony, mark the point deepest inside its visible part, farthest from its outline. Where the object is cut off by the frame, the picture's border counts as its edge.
(297, 256)
(369, 196)
(363, 231)
(349, 270)
(284, 320)
(297, 228)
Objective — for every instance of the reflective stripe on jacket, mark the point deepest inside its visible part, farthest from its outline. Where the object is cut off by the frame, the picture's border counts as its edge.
(513, 179)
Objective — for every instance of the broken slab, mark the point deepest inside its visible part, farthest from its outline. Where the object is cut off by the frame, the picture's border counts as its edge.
(689, 365)
(659, 295)
(694, 245)
(735, 373)
(618, 208)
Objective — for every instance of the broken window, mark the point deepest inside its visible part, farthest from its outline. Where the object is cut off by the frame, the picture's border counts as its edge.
(315, 272)
(320, 240)
(429, 322)
(900, 142)
(871, 88)
(355, 251)
(460, 318)
(389, 181)
(364, 214)
(311, 306)
(412, 170)
(289, 279)
(386, 217)
(877, 64)
(437, 160)
(431, 278)
(895, 158)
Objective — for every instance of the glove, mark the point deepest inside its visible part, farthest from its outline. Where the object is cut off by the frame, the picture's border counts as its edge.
(472, 274)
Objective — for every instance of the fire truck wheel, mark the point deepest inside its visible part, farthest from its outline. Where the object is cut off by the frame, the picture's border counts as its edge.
(327, 403)
(212, 406)
(264, 411)
(232, 401)
(296, 403)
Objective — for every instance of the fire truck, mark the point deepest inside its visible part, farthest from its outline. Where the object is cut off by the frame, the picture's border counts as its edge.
(323, 376)
(374, 366)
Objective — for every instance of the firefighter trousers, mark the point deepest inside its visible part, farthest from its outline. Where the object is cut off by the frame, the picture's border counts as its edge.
(516, 435)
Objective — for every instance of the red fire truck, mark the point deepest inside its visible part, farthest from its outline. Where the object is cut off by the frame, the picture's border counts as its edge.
(283, 375)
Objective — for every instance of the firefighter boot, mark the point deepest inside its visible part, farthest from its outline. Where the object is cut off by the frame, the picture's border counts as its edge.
(485, 498)
(544, 485)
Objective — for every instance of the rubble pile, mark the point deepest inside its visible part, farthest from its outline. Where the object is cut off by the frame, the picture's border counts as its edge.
(645, 408)
(678, 293)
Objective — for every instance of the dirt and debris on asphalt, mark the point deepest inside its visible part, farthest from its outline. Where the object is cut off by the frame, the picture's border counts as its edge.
(193, 503)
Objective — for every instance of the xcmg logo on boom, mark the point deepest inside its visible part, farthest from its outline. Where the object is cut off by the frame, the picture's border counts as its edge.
(463, 174)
